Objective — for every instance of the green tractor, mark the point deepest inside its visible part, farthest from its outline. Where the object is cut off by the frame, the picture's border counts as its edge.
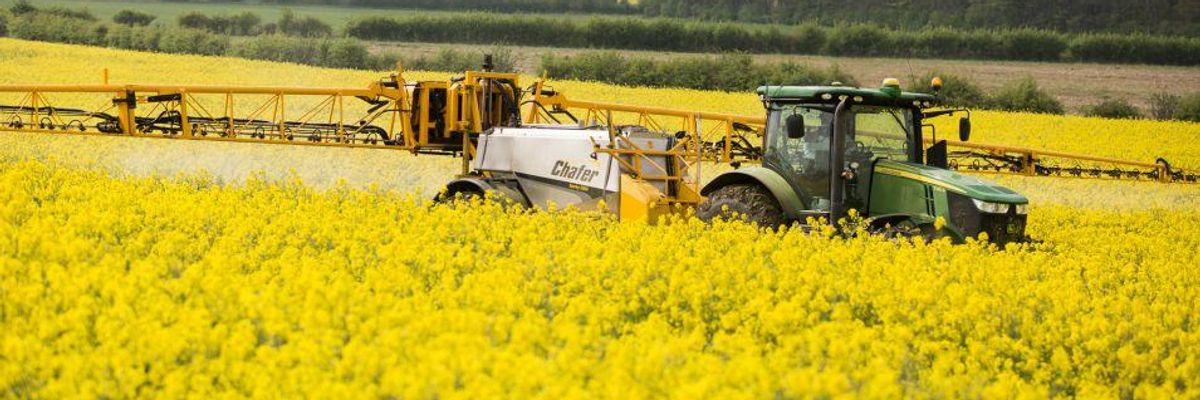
(831, 149)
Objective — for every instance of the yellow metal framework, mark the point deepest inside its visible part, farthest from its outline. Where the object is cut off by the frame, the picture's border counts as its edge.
(382, 115)
(676, 168)
(174, 111)
(999, 159)
(715, 136)
(445, 117)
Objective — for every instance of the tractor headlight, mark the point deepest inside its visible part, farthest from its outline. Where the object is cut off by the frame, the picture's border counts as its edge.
(989, 207)
(1021, 209)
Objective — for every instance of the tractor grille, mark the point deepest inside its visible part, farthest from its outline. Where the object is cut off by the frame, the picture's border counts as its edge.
(1000, 228)
(964, 214)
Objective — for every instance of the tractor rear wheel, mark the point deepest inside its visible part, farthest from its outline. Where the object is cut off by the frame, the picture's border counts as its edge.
(750, 203)
(461, 194)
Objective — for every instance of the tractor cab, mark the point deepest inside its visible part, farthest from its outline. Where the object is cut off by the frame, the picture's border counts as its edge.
(800, 145)
(829, 149)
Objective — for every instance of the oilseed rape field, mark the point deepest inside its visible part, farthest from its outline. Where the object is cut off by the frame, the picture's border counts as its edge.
(167, 269)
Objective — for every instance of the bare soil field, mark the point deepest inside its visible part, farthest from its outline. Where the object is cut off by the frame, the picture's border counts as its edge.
(1075, 84)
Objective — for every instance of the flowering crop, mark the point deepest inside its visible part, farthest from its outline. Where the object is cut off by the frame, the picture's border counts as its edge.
(164, 287)
(328, 276)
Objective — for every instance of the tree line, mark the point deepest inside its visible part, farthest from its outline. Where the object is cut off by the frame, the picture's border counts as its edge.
(1174, 17)
(727, 72)
(841, 40)
(1177, 17)
(249, 24)
(557, 6)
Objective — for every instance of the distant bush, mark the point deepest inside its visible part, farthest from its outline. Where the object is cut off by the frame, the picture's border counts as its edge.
(53, 24)
(3, 23)
(833, 74)
(279, 48)
(1031, 45)
(20, 7)
(344, 53)
(483, 28)
(956, 90)
(374, 28)
(133, 18)
(1163, 105)
(1139, 48)
(308, 26)
(602, 67)
(1025, 95)
(192, 41)
(24, 7)
(858, 40)
(503, 60)
(1113, 108)
(1019, 95)
(804, 39)
(1189, 108)
(334, 53)
(68, 13)
(242, 24)
(167, 40)
(195, 20)
(730, 72)
(56, 28)
(938, 43)
(134, 38)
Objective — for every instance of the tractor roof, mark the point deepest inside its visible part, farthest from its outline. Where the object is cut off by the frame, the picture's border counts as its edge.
(886, 96)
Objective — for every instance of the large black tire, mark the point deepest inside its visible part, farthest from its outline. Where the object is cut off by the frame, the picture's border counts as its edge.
(461, 194)
(507, 196)
(751, 203)
(907, 229)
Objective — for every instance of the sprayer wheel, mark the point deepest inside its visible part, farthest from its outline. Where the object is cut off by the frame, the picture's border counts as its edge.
(750, 203)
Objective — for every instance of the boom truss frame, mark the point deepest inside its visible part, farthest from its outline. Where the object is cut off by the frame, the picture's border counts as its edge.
(445, 117)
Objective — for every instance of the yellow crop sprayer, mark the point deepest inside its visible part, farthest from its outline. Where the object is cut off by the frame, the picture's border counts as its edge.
(818, 151)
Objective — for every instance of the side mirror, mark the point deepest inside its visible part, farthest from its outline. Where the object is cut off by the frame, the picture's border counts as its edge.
(795, 126)
(964, 129)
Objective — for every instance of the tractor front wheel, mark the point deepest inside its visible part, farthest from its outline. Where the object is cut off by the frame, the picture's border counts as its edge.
(907, 229)
(750, 203)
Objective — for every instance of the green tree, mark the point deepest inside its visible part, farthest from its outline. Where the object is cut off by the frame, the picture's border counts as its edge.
(1189, 108)
(1025, 95)
(1113, 108)
(308, 26)
(133, 18)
